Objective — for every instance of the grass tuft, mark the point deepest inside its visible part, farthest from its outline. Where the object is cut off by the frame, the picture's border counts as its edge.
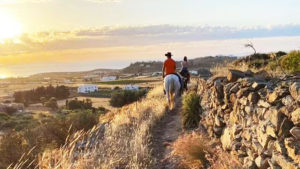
(191, 111)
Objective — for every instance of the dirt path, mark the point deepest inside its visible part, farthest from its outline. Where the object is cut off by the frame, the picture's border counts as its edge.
(164, 134)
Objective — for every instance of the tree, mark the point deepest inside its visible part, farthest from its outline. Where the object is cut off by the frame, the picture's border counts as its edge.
(52, 103)
(250, 45)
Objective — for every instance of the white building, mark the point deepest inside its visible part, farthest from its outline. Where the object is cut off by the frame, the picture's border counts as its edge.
(87, 88)
(131, 87)
(193, 72)
(109, 78)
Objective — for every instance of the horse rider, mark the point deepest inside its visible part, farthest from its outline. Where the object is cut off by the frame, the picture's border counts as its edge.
(184, 69)
(169, 67)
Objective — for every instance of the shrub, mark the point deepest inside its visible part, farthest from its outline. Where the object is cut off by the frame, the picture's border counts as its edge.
(193, 149)
(291, 62)
(124, 97)
(190, 114)
(198, 151)
(50, 134)
(10, 109)
(52, 103)
(35, 95)
(79, 104)
(82, 120)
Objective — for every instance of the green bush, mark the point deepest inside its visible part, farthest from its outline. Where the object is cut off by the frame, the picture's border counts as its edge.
(124, 97)
(190, 114)
(291, 62)
(82, 120)
(52, 103)
(79, 104)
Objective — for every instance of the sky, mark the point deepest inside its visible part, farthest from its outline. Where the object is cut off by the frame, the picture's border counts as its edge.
(74, 35)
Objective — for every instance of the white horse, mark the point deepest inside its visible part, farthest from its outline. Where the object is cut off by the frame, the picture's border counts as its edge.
(172, 88)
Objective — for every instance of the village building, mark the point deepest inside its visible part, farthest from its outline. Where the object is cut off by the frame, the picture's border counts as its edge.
(132, 87)
(87, 88)
(109, 78)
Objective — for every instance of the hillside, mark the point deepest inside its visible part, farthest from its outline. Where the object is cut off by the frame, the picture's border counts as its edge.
(58, 75)
(195, 64)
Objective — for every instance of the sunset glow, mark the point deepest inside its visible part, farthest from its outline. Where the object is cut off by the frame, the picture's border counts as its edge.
(10, 27)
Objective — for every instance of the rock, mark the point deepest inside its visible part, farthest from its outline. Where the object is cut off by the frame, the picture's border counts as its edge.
(249, 164)
(293, 149)
(285, 127)
(234, 75)
(261, 163)
(257, 146)
(263, 104)
(295, 131)
(288, 100)
(227, 138)
(233, 98)
(235, 88)
(258, 85)
(295, 91)
(284, 162)
(242, 92)
(249, 109)
(295, 116)
(243, 101)
(275, 117)
(247, 135)
(273, 165)
(273, 97)
(279, 147)
(271, 131)
(263, 138)
(253, 97)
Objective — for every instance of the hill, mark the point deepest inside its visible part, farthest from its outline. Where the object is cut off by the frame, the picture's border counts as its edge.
(195, 64)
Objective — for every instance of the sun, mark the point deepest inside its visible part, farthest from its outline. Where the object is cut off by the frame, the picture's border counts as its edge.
(9, 26)
(3, 76)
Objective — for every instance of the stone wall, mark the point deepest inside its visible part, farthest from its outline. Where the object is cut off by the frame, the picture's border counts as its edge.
(256, 117)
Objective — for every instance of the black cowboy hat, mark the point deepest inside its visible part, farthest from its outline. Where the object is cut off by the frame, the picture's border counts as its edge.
(168, 54)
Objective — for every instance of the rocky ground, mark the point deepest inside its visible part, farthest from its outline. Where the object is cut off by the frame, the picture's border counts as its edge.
(256, 118)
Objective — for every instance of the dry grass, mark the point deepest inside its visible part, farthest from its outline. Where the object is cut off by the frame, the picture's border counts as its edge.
(198, 151)
(125, 143)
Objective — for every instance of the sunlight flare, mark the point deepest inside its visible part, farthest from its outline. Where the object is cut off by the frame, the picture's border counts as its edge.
(10, 27)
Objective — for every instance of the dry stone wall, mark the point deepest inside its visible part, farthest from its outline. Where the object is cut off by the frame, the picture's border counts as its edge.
(255, 117)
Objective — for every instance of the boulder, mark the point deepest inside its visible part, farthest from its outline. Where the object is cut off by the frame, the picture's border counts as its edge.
(257, 146)
(249, 164)
(253, 97)
(263, 138)
(279, 147)
(271, 131)
(264, 104)
(295, 131)
(234, 75)
(227, 138)
(273, 165)
(284, 162)
(242, 92)
(261, 163)
(243, 101)
(258, 85)
(285, 126)
(295, 116)
(233, 98)
(275, 117)
(293, 149)
(288, 100)
(295, 91)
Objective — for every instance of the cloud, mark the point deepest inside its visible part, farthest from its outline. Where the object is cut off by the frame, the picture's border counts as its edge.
(103, 1)
(93, 42)
(5, 2)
